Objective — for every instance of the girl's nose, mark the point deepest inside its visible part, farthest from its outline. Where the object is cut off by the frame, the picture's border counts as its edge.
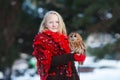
(54, 24)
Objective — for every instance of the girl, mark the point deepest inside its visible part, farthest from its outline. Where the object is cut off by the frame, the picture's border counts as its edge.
(52, 51)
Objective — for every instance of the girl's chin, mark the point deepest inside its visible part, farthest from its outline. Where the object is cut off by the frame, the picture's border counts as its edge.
(54, 30)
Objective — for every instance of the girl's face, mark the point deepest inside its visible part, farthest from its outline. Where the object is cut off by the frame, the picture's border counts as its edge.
(52, 22)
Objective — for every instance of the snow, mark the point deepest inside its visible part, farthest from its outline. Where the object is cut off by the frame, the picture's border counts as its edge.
(95, 40)
(1, 75)
(103, 70)
(101, 74)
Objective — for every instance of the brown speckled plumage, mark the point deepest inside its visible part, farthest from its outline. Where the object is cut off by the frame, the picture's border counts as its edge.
(76, 43)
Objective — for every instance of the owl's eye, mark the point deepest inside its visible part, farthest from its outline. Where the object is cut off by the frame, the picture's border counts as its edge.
(74, 35)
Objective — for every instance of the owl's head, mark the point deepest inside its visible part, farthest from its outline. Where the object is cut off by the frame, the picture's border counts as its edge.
(74, 36)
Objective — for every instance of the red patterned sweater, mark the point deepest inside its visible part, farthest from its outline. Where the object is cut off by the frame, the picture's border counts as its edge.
(48, 45)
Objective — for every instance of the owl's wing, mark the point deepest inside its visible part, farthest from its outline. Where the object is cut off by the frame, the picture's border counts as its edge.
(82, 47)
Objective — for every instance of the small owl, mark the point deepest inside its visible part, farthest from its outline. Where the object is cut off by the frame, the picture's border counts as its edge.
(76, 43)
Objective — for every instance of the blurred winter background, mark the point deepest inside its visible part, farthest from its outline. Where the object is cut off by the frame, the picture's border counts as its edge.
(98, 21)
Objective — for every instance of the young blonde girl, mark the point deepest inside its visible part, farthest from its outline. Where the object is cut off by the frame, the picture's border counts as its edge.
(52, 51)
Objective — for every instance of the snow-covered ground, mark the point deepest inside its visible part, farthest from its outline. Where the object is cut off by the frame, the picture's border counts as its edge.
(102, 70)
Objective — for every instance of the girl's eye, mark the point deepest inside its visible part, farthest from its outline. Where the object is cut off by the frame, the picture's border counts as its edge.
(57, 21)
(50, 22)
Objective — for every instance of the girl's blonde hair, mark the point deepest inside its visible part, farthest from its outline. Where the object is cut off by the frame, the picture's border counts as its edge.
(61, 26)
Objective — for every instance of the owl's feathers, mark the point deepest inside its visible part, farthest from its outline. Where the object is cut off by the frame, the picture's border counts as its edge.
(76, 43)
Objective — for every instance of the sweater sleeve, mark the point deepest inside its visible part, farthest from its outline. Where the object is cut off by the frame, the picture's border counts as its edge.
(62, 59)
(43, 57)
